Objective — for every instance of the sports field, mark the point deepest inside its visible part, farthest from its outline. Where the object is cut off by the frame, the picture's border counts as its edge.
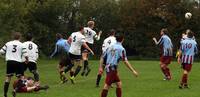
(148, 84)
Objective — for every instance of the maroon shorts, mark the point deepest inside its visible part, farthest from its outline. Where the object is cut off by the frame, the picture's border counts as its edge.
(187, 66)
(112, 77)
(166, 59)
(22, 90)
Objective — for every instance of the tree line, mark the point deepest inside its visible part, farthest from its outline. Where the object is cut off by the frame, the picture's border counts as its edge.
(139, 20)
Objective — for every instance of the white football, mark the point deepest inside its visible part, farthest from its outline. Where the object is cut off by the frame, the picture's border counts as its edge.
(188, 15)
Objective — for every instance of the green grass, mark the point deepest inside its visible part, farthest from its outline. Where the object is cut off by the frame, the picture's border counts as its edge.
(148, 84)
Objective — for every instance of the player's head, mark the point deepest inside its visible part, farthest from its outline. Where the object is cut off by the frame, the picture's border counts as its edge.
(112, 32)
(59, 36)
(81, 29)
(29, 37)
(190, 34)
(164, 31)
(90, 24)
(120, 38)
(30, 81)
(16, 35)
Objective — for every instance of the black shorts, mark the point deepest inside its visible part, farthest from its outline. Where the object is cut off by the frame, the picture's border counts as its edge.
(75, 57)
(65, 60)
(14, 67)
(32, 66)
(83, 49)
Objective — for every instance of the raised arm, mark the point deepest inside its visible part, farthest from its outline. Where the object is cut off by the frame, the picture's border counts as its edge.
(3, 50)
(97, 36)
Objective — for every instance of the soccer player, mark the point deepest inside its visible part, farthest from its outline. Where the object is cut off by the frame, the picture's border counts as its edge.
(62, 49)
(113, 55)
(28, 85)
(166, 52)
(108, 42)
(13, 53)
(187, 51)
(89, 34)
(77, 41)
(30, 56)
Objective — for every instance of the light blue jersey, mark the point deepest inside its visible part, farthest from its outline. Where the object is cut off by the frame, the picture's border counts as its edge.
(188, 49)
(62, 46)
(113, 55)
(166, 45)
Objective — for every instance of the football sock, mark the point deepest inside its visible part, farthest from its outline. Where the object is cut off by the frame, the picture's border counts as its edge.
(85, 65)
(184, 79)
(71, 73)
(119, 92)
(6, 86)
(69, 67)
(98, 79)
(78, 69)
(104, 93)
(36, 76)
(164, 71)
(168, 73)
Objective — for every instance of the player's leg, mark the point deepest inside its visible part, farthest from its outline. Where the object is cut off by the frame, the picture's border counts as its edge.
(164, 61)
(184, 80)
(108, 81)
(78, 63)
(61, 71)
(85, 62)
(10, 70)
(19, 74)
(33, 69)
(119, 89)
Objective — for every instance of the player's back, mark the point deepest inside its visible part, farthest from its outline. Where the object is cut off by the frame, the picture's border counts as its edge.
(89, 35)
(166, 41)
(115, 53)
(108, 42)
(188, 47)
(77, 40)
(13, 51)
(30, 50)
(62, 45)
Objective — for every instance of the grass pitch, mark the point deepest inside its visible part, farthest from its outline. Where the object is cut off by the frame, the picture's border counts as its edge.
(148, 84)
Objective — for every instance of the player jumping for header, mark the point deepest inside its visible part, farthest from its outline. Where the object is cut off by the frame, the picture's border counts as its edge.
(166, 52)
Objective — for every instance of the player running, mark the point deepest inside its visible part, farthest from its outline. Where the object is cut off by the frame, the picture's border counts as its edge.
(113, 55)
(166, 52)
(62, 49)
(89, 34)
(13, 53)
(30, 56)
(77, 41)
(187, 51)
(108, 42)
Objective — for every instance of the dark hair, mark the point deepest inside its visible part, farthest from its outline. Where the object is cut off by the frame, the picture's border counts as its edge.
(59, 35)
(119, 37)
(164, 30)
(16, 35)
(30, 78)
(29, 37)
(190, 34)
(80, 28)
(112, 32)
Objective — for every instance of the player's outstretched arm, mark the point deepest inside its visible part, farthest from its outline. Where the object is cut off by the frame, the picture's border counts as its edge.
(97, 37)
(3, 50)
(156, 42)
(101, 64)
(87, 47)
(130, 68)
